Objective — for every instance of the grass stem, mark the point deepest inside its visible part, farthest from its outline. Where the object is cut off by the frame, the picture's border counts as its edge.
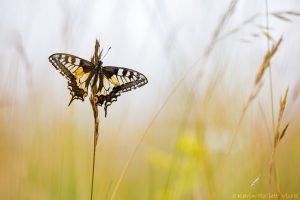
(92, 185)
(277, 182)
(96, 134)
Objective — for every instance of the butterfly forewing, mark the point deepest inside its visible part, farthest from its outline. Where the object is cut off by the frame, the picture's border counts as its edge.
(78, 71)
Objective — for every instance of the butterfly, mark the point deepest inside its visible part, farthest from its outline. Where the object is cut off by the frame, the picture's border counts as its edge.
(106, 82)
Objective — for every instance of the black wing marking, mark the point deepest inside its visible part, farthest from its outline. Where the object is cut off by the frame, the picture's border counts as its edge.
(78, 71)
(115, 80)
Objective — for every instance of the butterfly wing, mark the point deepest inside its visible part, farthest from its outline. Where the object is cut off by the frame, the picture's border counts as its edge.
(115, 80)
(78, 71)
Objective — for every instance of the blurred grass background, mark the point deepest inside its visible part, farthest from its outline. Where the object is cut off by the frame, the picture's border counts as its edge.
(201, 59)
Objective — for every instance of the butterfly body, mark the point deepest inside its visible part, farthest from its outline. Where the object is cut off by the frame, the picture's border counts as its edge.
(106, 82)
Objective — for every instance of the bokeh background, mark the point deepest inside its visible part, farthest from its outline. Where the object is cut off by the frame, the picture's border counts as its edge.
(182, 134)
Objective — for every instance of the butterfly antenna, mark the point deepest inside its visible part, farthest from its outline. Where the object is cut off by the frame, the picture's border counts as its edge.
(100, 55)
(106, 52)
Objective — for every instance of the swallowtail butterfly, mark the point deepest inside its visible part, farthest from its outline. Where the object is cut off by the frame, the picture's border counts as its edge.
(106, 82)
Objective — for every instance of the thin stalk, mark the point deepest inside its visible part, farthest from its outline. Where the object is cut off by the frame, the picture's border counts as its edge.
(131, 156)
(95, 60)
(96, 134)
(270, 70)
(272, 103)
(92, 185)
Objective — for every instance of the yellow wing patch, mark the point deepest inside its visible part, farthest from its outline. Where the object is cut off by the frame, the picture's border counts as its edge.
(114, 80)
(79, 72)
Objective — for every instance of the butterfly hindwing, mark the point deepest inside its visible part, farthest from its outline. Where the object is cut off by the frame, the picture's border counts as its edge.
(78, 71)
(116, 80)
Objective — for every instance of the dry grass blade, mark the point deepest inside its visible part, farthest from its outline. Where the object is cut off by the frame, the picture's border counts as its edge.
(19, 45)
(255, 35)
(282, 107)
(267, 60)
(283, 131)
(296, 91)
(131, 156)
(252, 96)
(264, 28)
(293, 13)
(224, 19)
(97, 55)
(290, 12)
(268, 36)
(239, 27)
(281, 17)
(279, 134)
